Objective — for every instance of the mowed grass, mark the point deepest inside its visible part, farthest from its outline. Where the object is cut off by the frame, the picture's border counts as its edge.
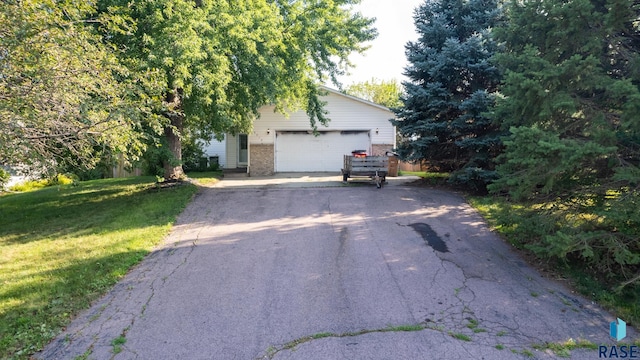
(206, 178)
(62, 247)
(429, 178)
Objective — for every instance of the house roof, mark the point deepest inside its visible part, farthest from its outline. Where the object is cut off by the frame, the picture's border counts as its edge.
(367, 102)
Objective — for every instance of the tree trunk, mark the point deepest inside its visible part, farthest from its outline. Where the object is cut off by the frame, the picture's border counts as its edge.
(173, 167)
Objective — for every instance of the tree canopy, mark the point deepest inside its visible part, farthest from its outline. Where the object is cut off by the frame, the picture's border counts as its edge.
(81, 79)
(383, 92)
(220, 61)
(64, 96)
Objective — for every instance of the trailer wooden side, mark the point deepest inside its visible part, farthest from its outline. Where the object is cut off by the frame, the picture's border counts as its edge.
(375, 167)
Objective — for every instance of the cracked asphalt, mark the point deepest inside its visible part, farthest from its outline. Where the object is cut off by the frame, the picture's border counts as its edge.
(333, 273)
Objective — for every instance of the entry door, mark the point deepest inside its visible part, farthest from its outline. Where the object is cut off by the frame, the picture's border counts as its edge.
(243, 150)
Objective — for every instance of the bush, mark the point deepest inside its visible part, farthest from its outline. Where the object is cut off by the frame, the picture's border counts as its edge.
(60, 179)
(213, 167)
(472, 178)
(193, 157)
(96, 173)
(603, 233)
(603, 236)
(91, 171)
(153, 158)
(4, 178)
(63, 179)
(29, 185)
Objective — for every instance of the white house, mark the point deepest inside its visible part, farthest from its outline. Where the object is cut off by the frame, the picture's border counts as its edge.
(281, 144)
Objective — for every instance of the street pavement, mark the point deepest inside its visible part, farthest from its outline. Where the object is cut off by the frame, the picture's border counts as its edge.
(274, 271)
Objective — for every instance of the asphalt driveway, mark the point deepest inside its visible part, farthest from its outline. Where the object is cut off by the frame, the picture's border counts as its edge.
(277, 272)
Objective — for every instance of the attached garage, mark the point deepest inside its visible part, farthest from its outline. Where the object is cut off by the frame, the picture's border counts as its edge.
(304, 151)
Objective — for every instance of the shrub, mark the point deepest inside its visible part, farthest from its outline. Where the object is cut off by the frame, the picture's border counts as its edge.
(60, 179)
(29, 185)
(193, 157)
(473, 178)
(213, 167)
(601, 235)
(4, 178)
(99, 172)
(63, 179)
(153, 158)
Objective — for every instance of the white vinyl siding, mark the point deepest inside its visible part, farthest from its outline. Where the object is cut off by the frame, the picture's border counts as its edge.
(216, 148)
(345, 112)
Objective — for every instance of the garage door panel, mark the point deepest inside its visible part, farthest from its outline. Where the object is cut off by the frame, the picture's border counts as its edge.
(297, 151)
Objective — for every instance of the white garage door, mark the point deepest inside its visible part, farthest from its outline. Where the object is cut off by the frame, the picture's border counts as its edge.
(300, 151)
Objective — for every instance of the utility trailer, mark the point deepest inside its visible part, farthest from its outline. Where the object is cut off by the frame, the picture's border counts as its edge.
(373, 167)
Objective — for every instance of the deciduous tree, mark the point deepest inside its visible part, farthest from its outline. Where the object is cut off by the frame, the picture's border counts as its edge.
(220, 60)
(383, 92)
(63, 93)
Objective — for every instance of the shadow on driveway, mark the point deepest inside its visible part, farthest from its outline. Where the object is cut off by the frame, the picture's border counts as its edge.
(304, 180)
(334, 273)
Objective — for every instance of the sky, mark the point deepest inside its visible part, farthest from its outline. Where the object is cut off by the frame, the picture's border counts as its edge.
(385, 59)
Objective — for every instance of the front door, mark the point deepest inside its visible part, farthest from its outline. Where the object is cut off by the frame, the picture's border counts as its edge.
(243, 150)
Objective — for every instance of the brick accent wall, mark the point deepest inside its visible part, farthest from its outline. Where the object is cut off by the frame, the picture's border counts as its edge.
(380, 150)
(261, 157)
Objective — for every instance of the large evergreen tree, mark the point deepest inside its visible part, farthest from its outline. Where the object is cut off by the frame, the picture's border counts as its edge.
(220, 61)
(452, 84)
(572, 105)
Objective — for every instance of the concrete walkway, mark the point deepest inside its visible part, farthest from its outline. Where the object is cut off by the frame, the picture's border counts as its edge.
(302, 180)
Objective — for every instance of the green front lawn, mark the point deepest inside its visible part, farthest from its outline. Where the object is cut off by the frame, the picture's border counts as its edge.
(205, 178)
(429, 178)
(62, 247)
